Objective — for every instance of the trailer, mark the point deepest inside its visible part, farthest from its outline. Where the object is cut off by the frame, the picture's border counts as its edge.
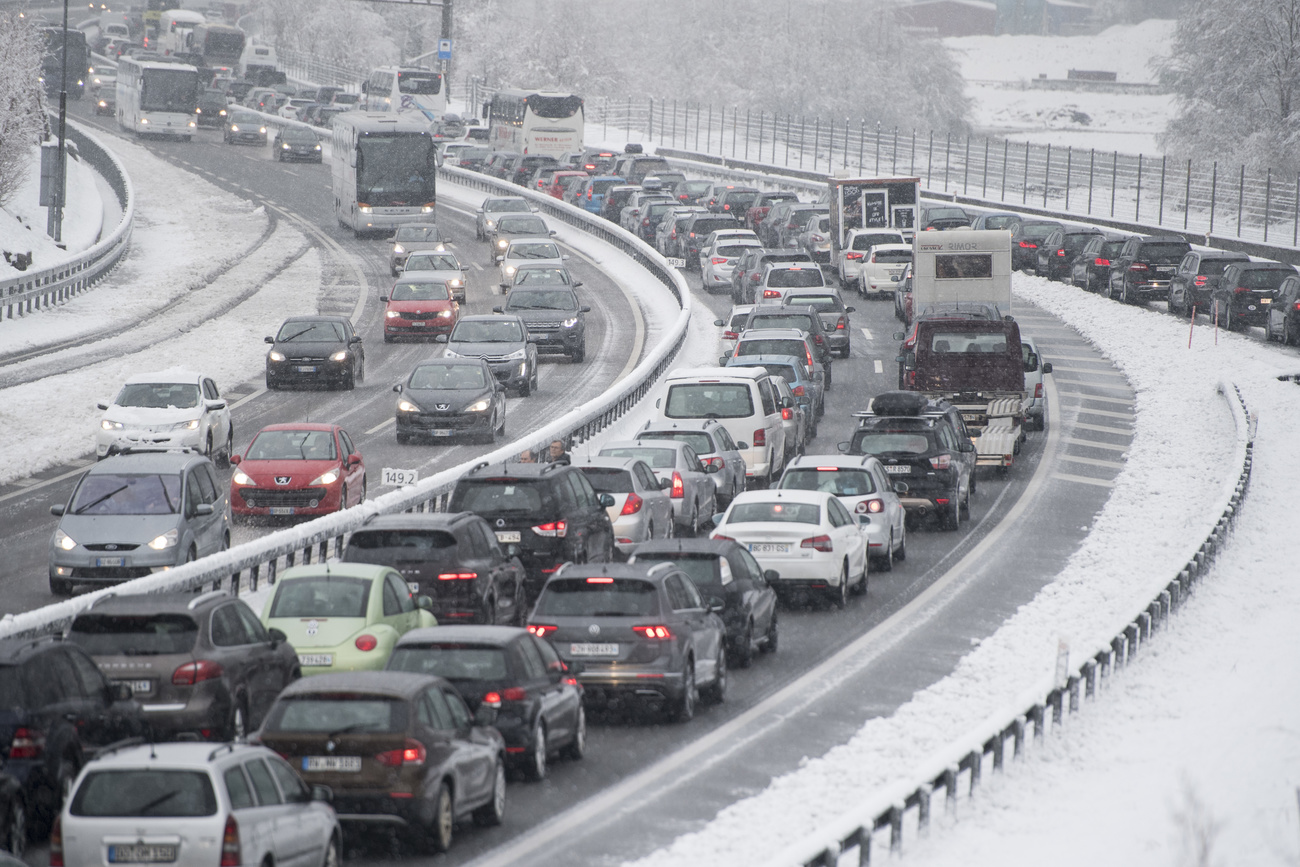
(961, 266)
(871, 203)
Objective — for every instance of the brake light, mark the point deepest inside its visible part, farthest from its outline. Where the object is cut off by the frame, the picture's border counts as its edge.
(873, 257)
(722, 538)
(1137, 266)
(853, 257)
(553, 529)
(366, 643)
(231, 856)
(754, 277)
(541, 630)
(493, 699)
(730, 335)
(679, 489)
(941, 462)
(808, 352)
(1029, 245)
(817, 338)
(1201, 280)
(716, 461)
(27, 744)
(818, 543)
(872, 506)
(457, 576)
(718, 260)
(411, 753)
(841, 325)
(653, 631)
(196, 672)
(1060, 253)
(760, 437)
(632, 504)
(787, 414)
(771, 293)
(798, 391)
(1038, 389)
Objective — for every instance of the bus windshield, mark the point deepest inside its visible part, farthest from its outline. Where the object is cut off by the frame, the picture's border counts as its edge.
(169, 90)
(395, 169)
(555, 107)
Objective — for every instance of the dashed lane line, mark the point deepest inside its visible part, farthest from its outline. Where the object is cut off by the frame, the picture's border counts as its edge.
(1115, 374)
(1092, 385)
(1093, 444)
(1095, 462)
(867, 334)
(388, 422)
(1125, 431)
(880, 367)
(1083, 410)
(1098, 399)
(1083, 480)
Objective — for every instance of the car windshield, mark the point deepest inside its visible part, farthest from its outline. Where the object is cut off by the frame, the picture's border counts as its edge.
(134, 634)
(533, 251)
(417, 233)
(1002, 221)
(883, 442)
(542, 299)
(775, 513)
(977, 342)
(772, 346)
(608, 480)
(598, 597)
(517, 206)
(543, 276)
(432, 262)
(293, 445)
(779, 278)
(501, 495)
(133, 792)
(820, 303)
(127, 494)
(659, 459)
(709, 400)
(947, 214)
(321, 596)
(697, 440)
(842, 482)
(447, 375)
(337, 713)
(159, 395)
(310, 332)
(487, 331)
(455, 662)
(420, 292)
(298, 136)
(521, 225)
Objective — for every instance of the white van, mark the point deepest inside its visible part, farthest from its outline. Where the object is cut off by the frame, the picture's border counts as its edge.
(257, 57)
(745, 402)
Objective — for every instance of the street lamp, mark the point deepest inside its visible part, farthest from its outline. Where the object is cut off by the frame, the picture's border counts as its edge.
(60, 181)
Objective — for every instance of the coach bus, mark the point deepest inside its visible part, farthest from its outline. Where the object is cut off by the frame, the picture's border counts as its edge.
(384, 168)
(528, 122)
(220, 46)
(157, 97)
(402, 89)
(52, 62)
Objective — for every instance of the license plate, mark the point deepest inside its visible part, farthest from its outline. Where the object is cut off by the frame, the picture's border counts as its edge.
(506, 537)
(138, 687)
(418, 323)
(1266, 301)
(346, 764)
(306, 368)
(110, 561)
(440, 432)
(1165, 269)
(970, 416)
(676, 263)
(281, 510)
(769, 548)
(315, 659)
(141, 853)
(897, 471)
(588, 649)
(896, 274)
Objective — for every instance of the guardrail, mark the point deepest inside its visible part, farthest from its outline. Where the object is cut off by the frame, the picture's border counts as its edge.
(251, 563)
(44, 287)
(960, 767)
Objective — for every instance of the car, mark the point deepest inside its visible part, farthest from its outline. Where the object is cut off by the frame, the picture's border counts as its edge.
(537, 276)
(547, 514)
(638, 167)
(173, 408)
(439, 763)
(752, 265)
(419, 304)
(58, 709)
(689, 482)
(104, 95)
(833, 312)
(327, 113)
(733, 199)
(1091, 268)
(556, 187)
(138, 513)
(882, 268)
(1197, 275)
(693, 232)
(1057, 252)
(297, 469)
(1026, 235)
(944, 217)
(502, 342)
(857, 245)
(767, 317)
(995, 220)
(1035, 368)
(293, 107)
(815, 239)
(298, 144)
(669, 232)
(471, 158)
(449, 126)
(808, 537)
(692, 192)
(616, 199)
(411, 238)
(450, 397)
(189, 803)
(537, 698)
(1245, 293)
(485, 217)
(315, 349)
(760, 207)
(1283, 318)
(806, 392)
(652, 213)
(866, 490)
(14, 828)
(1144, 268)
(630, 217)
(642, 507)
(733, 323)
(198, 664)
(244, 127)
(261, 99)
(903, 296)
(794, 223)
(452, 557)
(796, 419)
(768, 231)
(437, 265)
(501, 165)
(643, 634)
(779, 277)
(343, 616)
(555, 320)
(520, 170)
(211, 109)
(529, 251)
(719, 261)
(711, 443)
(783, 341)
(452, 151)
(511, 226)
(590, 195)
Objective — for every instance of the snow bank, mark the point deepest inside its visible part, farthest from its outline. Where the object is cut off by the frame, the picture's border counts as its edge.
(22, 221)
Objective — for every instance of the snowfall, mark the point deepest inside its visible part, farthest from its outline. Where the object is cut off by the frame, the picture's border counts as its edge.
(1191, 755)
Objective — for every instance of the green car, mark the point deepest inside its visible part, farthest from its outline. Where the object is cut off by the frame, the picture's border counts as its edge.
(344, 616)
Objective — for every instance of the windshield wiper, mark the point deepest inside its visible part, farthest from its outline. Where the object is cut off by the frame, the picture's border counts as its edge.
(355, 727)
(166, 796)
(108, 496)
(296, 335)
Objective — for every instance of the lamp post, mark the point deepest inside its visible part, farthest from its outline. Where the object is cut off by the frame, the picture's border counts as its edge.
(55, 227)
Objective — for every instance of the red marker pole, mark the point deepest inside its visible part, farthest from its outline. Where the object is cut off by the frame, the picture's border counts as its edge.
(1191, 327)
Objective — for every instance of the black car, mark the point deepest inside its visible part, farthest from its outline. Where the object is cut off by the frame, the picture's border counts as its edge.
(734, 200)
(697, 229)
(1245, 293)
(296, 143)
(1025, 238)
(212, 107)
(693, 192)
(1197, 276)
(244, 127)
(315, 349)
(522, 170)
(451, 557)
(556, 321)
(538, 698)
(1091, 268)
(1145, 267)
(451, 397)
(1283, 321)
(501, 341)
(941, 218)
(472, 158)
(56, 709)
(199, 664)
(616, 199)
(724, 570)
(547, 514)
(643, 633)
(1056, 254)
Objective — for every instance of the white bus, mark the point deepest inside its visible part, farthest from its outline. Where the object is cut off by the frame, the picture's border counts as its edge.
(174, 29)
(407, 89)
(384, 169)
(157, 97)
(528, 122)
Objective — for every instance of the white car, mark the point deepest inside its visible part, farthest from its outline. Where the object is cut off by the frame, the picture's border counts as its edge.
(1035, 367)
(866, 490)
(689, 482)
(642, 509)
(292, 110)
(808, 537)
(734, 324)
(529, 252)
(856, 247)
(173, 408)
(192, 804)
(882, 269)
(719, 261)
(717, 235)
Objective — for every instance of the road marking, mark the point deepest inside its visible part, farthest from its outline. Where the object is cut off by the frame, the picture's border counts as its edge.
(1110, 447)
(1126, 431)
(1114, 373)
(880, 367)
(1083, 410)
(476, 266)
(383, 424)
(866, 334)
(1092, 385)
(1093, 397)
(1114, 465)
(1083, 480)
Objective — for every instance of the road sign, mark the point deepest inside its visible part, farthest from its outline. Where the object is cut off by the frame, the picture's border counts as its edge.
(400, 478)
(444, 49)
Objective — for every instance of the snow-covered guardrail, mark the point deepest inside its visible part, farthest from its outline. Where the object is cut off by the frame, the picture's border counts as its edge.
(44, 287)
(251, 563)
(1042, 709)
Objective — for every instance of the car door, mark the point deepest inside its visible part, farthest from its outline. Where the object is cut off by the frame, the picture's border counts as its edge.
(759, 599)
(844, 530)
(234, 651)
(505, 575)
(658, 503)
(304, 828)
(599, 530)
(705, 491)
(772, 425)
(354, 475)
(705, 627)
(541, 688)
(271, 668)
(208, 529)
(564, 701)
(256, 821)
(216, 418)
(469, 762)
(399, 611)
(282, 825)
(110, 720)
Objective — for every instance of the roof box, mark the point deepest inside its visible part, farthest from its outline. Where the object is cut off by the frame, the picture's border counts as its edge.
(900, 403)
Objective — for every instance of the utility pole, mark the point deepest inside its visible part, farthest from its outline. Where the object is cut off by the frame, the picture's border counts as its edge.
(55, 228)
(446, 34)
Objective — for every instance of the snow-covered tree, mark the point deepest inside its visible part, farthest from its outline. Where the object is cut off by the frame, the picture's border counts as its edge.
(21, 119)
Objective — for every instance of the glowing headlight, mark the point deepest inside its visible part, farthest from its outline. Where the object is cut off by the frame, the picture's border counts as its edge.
(455, 283)
(198, 111)
(284, 146)
(234, 127)
(398, 248)
(502, 243)
(166, 540)
(444, 314)
(341, 355)
(262, 130)
(191, 123)
(477, 406)
(326, 478)
(241, 478)
(516, 355)
(103, 103)
(317, 147)
(192, 424)
(275, 355)
(64, 541)
(424, 209)
(365, 209)
(110, 425)
(491, 224)
(144, 120)
(222, 112)
(406, 406)
(569, 323)
(392, 314)
(510, 270)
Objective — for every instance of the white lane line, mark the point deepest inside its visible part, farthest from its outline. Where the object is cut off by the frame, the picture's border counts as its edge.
(1125, 431)
(1083, 410)
(1092, 397)
(1094, 462)
(1091, 385)
(866, 334)
(1098, 372)
(880, 367)
(476, 266)
(383, 424)
(1083, 480)
(1110, 447)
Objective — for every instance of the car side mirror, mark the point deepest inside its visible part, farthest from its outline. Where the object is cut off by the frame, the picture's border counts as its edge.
(722, 361)
(323, 794)
(606, 500)
(900, 358)
(719, 323)
(354, 460)
(57, 510)
(564, 257)
(264, 340)
(967, 446)
(552, 232)
(383, 298)
(498, 309)
(354, 340)
(103, 404)
(464, 267)
(583, 309)
(850, 309)
(741, 446)
(710, 468)
(716, 605)
(786, 403)
(842, 447)
(424, 603)
(235, 459)
(203, 509)
(277, 637)
(119, 691)
(442, 338)
(500, 259)
(1047, 367)
(479, 212)
(485, 716)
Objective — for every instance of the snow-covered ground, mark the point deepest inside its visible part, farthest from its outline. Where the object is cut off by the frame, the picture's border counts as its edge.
(22, 220)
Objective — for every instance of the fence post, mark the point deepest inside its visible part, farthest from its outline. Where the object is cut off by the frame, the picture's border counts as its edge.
(650, 134)
(1069, 166)
(894, 154)
(1268, 200)
(1214, 188)
(1295, 231)
(913, 171)
(929, 159)
(803, 132)
(1187, 196)
(1006, 149)
(746, 135)
(1137, 203)
(760, 136)
(673, 137)
(1160, 219)
(1114, 169)
(1047, 173)
(1024, 185)
(947, 158)
(984, 188)
(708, 134)
(789, 123)
(1092, 159)
(1241, 197)
(965, 173)
(817, 140)
(697, 127)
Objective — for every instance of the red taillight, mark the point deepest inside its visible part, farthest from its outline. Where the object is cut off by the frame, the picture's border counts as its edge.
(1138, 266)
(196, 672)
(553, 529)
(721, 537)
(679, 489)
(366, 643)
(718, 260)
(56, 843)
(457, 576)
(853, 257)
(1038, 389)
(1101, 263)
(818, 543)
(1060, 253)
(1201, 280)
(808, 352)
(1029, 245)
(541, 630)
(231, 856)
(730, 335)
(771, 293)
(841, 325)
(716, 461)
(514, 693)
(873, 506)
(787, 414)
(798, 391)
(28, 743)
(817, 338)
(411, 753)
(760, 437)
(632, 504)
(941, 462)
(653, 631)
(646, 221)
(493, 699)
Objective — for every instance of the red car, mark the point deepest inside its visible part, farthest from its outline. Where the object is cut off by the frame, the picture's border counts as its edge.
(297, 469)
(419, 304)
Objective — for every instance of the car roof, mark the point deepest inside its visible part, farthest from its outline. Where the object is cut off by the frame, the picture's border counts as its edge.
(171, 374)
(147, 461)
(15, 650)
(188, 754)
(608, 461)
(792, 360)
(480, 634)
(717, 373)
(790, 494)
(636, 444)
(299, 425)
(506, 470)
(316, 317)
(805, 461)
(687, 424)
(486, 317)
(395, 684)
(416, 520)
(653, 572)
(334, 569)
(760, 333)
(685, 546)
(156, 603)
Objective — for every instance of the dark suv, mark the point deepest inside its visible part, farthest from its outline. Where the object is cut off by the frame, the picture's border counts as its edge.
(804, 318)
(696, 230)
(1145, 267)
(1197, 276)
(556, 322)
(1091, 268)
(547, 514)
(1057, 253)
(924, 445)
(201, 664)
(734, 200)
(1025, 238)
(1245, 293)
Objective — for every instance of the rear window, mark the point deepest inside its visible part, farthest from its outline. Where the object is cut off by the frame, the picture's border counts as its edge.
(844, 482)
(700, 568)
(699, 442)
(452, 661)
(801, 321)
(704, 227)
(599, 597)
(321, 596)
(820, 303)
(130, 793)
(796, 277)
(409, 541)
(975, 342)
(134, 635)
(863, 242)
(1164, 253)
(337, 713)
(710, 400)
(605, 480)
(731, 251)
(1259, 278)
(1042, 230)
(892, 256)
(772, 346)
(779, 513)
(658, 459)
(491, 496)
(1215, 267)
(885, 442)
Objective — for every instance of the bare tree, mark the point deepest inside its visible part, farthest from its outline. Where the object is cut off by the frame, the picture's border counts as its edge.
(1196, 830)
(21, 120)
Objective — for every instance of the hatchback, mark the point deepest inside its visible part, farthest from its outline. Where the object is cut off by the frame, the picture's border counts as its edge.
(296, 143)
(712, 443)
(857, 245)
(244, 127)
(1245, 293)
(419, 304)
(493, 207)
(719, 261)
(529, 251)
(511, 226)
(833, 312)
(298, 469)
(1198, 273)
(642, 508)
(680, 472)
(315, 349)
(434, 266)
(450, 397)
(881, 268)
(1026, 235)
(414, 238)
(866, 490)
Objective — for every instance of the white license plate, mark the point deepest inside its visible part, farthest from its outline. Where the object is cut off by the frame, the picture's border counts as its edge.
(315, 659)
(769, 548)
(676, 263)
(440, 432)
(306, 368)
(281, 510)
(110, 561)
(1266, 301)
(347, 764)
(418, 323)
(138, 687)
(897, 471)
(141, 853)
(506, 537)
(588, 649)
(970, 416)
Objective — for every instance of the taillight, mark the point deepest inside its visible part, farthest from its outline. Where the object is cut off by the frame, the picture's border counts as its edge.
(679, 490)
(1029, 245)
(493, 699)
(411, 753)
(721, 538)
(841, 325)
(514, 693)
(27, 743)
(853, 257)
(941, 462)
(1201, 280)
(760, 437)
(457, 576)
(818, 543)
(196, 672)
(817, 338)
(553, 529)
(231, 856)
(716, 461)
(798, 391)
(730, 335)
(632, 504)
(1060, 253)
(1101, 263)
(787, 414)
(653, 631)
(808, 352)
(541, 630)
(872, 506)
(1137, 266)
(771, 293)
(754, 277)
(366, 643)
(718, 260)
(1038, 389)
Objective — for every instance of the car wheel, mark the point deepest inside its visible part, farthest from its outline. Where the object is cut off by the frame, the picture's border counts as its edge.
(236, 727)
(695, 521)
(579, 355)
(684, 711)
(331, 854)
(535, 770)
(901, 554)
(745, 647)
(772, 638)
(951, 517)
(526, 389)
(671, 530)
(343, 497)
(444, 820)
(840, 594)
(577, 748)
(15, 831)
(1288, 339)
(207, 447)
(887, 561)
(716, 692)
(494, 811)
(501, 428)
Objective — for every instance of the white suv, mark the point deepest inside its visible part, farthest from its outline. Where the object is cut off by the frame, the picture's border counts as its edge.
(169, 409)
(195, 804)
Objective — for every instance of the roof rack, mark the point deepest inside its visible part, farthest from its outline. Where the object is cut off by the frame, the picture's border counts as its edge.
(480, 465)
(230, 747)
(205, 597)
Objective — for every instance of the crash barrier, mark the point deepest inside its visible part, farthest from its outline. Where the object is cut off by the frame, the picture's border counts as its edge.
(39, 288)
(254, 563)
(959, 769)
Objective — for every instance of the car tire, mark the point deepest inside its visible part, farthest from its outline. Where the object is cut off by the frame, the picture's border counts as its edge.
(716, 692)
(535, 769)
(236, 726)
(684, 709)
(403, 438)
(223, 456)
(526, 389)
(439, 833)
(745, 647)
(343, 497)
(494, 811)
(577, 748)
(579, 355)
(840, 595)
(1288, 338)
(901, 554)
(887, 561)
(207, 448)
(15, 829)
(951, 517)
(331, 854)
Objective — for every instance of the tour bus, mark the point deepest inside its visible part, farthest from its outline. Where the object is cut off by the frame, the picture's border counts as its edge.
(527, 122)
(157, 97)
(384, 169)
(407, 89)
(219, 45)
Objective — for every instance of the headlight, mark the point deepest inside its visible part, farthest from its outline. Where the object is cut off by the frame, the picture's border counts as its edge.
(455, 283)
(317, 147)
(341, 355)
(241, 478)
(365, 209)
(569, 323)
(110, 425)
(64, 541)
(510, 270)
(284, 145)
(326, 478)
(166, 540)
(398, 248)
(444, 314)
(103, 104)
(491, 224)
(222, 112)
(406, 406)
(478, 406)
(234, 127)
(144, 120)
(392, 314)
(191, 123)
(502, 243)
(516, 355)
(192, 424)
(424, 209)
(262, 130)
(275, 355)
(198, 111)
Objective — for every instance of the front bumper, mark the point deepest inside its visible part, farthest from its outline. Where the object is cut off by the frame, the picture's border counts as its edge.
(246, 138)
(111, 442)
(511, 374)
(97, 567)
(417, 327)
(1151, 290)
(443, 425)
(309, 156)
(317, 500)
(559, 339)
(299, 372)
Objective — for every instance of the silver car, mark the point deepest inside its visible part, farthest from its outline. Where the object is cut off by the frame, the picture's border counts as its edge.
(413, 238)
(511, 226)
(719, 261)
(642, 507)
(794, 418)
(690, 482)
(866, 490)
(439, 265)
(528, 252)
(485, 218)
(709, 439)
